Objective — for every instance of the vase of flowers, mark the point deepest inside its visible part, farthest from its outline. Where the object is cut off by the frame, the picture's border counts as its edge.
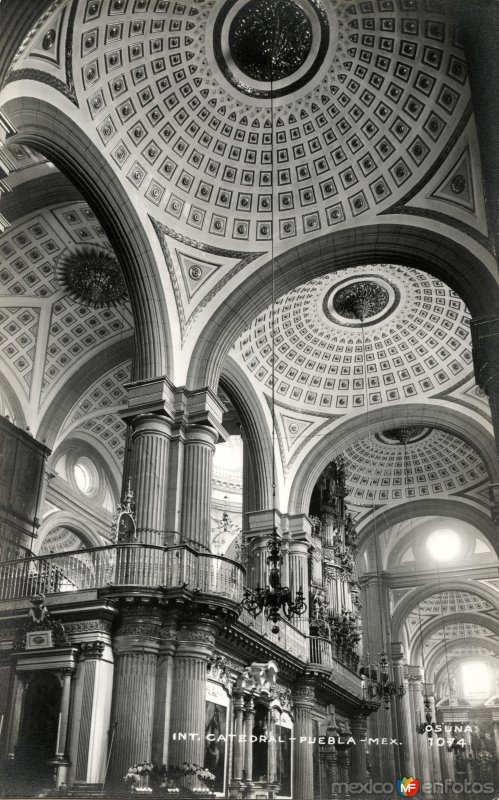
(137, 777)
(172, 776)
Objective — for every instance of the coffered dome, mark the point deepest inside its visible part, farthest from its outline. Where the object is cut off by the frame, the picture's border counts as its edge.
(414, 340)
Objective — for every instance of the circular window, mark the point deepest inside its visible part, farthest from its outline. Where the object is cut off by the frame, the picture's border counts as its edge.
(85, 476)
(444, 545)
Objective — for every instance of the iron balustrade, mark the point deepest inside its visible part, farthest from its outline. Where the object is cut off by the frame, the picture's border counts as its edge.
(122, 565)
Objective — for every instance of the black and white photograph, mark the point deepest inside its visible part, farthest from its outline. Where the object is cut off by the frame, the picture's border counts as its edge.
(249, 399)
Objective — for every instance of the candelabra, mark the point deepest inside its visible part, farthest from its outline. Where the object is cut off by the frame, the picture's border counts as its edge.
(380, 682)
(274, 598)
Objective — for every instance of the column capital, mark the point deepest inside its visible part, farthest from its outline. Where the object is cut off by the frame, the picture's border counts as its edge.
(303, 695)
(151, 396)
(199, 407)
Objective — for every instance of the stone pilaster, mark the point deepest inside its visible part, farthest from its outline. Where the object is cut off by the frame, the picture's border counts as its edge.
(195, 644)
(136, 646)
(303, 774)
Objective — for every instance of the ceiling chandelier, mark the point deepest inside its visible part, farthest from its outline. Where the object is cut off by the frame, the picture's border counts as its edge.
(380, 681)
(274, 599)
(362, 301)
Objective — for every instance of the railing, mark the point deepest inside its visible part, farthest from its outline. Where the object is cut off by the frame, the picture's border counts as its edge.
(289, 638)
(321, 652)
(329, 654)
(122, 565)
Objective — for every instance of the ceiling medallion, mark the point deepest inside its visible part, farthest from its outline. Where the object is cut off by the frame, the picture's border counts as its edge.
(403, 435)
(92, 276)
(270, 39)
(365, 300)
(270, 48)
(361, 300)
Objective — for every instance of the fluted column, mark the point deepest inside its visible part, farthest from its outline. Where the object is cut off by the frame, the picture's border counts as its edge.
(163, 696)
(495, 717)
(195, 644)
(358, 753)
(20, 681)
(448, 758)
(417, 714)
(300, 529)
(435, 754)
(61, 745)
(402, 712)
(238, 751)
(249, 724)
(259, 526)
(303, 771)
(150, 450)
(196, 493)
(136, 647)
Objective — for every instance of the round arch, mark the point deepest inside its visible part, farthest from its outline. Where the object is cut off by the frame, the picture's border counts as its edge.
(72, 521)
(47, 129)
(355, 427)
(472, 618)
(13, 403)
(420, 593)
(436, 673)
(72, 391)
(256, 433)
(445, 258)
(456, 508)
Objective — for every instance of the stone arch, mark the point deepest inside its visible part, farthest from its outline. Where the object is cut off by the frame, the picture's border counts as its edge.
(13, 403)
(72, 521)
(457, 508)
(257, 437)
(420, 593)
(438, 254)
(436, 677)
(60, 407)
(355, 427)
(47, 129)
(451, 619)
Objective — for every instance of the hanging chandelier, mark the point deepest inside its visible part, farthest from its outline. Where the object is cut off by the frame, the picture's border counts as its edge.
(428, 726)
(274, 599)
(380, 681)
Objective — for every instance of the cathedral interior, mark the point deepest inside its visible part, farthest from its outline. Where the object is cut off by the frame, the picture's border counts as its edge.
(249, 398)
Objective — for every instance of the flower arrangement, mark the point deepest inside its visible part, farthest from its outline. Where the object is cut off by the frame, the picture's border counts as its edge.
(169, 775)
(137, 776)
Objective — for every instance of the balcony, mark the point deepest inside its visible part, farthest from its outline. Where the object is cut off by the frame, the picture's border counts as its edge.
(130, 565)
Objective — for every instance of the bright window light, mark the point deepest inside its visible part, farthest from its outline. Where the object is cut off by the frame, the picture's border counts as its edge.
(475, 676)
(444, 545)
(85, 476)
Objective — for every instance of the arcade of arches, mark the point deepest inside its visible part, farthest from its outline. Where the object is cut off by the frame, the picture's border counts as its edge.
(248, 282)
